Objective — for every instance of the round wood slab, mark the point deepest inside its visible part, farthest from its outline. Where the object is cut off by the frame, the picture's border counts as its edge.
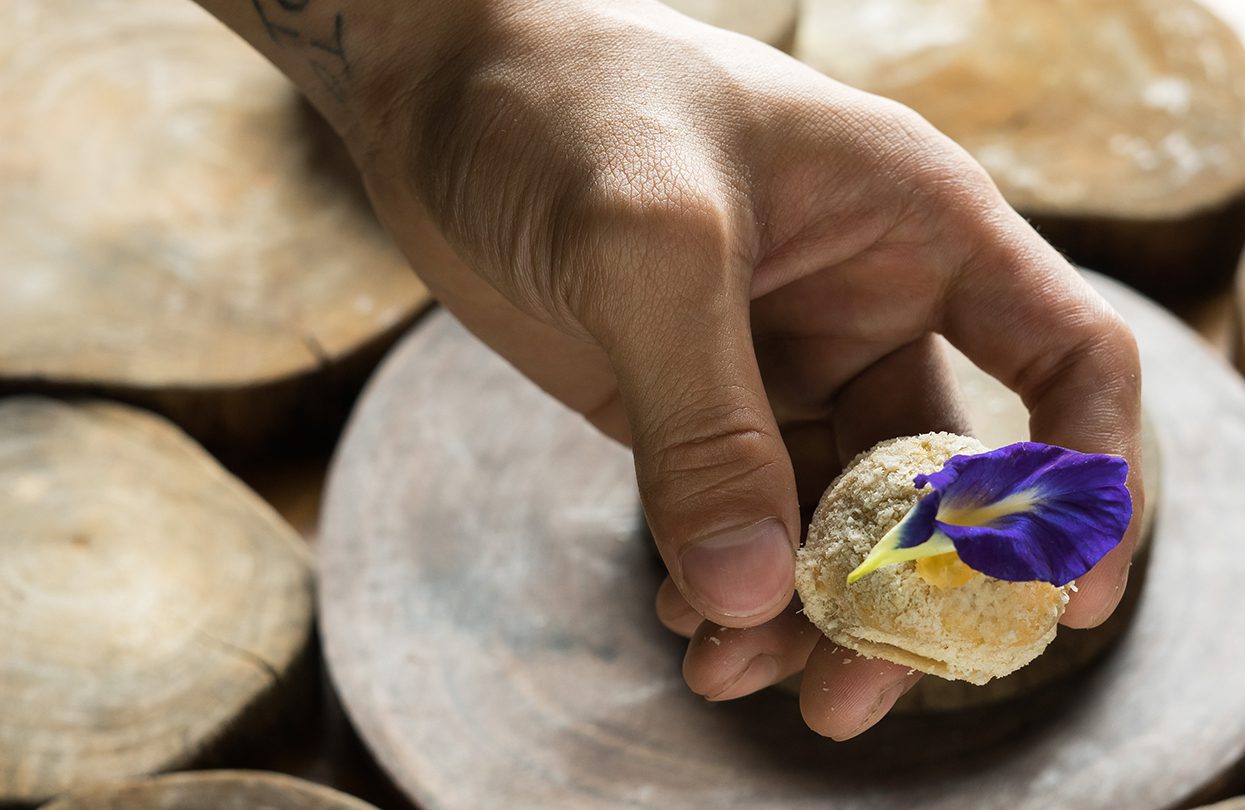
(212, 790)
(150, 605)
(1229, 804)
(1231, 12)
(1116, 125)
(180, 229)
(487, 612)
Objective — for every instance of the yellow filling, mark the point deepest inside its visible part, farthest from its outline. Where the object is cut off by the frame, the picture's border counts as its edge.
(944, 570)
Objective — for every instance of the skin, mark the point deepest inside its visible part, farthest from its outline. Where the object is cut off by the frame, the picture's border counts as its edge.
(744, 270)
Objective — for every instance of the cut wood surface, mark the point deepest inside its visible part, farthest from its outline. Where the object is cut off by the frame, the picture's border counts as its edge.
(151, 607)
(212, 790)
(1231, 12)
(773, 22)
(1229, 804)
(179, 227)
(321, 746)
(1118, 125)
(487, 608)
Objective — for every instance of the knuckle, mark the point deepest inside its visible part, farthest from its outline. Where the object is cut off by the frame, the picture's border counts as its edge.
(1117, 347)
(708, 453)
(905, 159)
(1097, 339)
(630, 239)
(634, 223)
(933, 162)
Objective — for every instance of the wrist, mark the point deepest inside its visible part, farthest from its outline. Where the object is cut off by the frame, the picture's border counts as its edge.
(423, 52)
(446, 71)
(352, 58)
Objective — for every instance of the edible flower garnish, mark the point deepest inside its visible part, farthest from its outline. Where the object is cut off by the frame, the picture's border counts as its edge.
(1025, 512)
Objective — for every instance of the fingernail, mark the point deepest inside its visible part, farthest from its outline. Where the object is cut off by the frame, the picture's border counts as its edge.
(884, 703)
(762, 671)
(1117, 596)
(740, 572)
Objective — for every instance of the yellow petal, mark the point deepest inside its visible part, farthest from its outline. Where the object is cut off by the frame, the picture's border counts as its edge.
(885, 552)
(944, 570)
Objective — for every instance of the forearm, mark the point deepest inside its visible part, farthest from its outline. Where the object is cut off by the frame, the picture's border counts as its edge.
(347, 55)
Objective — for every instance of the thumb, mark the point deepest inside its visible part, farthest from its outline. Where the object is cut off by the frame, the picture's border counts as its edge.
(715, 478)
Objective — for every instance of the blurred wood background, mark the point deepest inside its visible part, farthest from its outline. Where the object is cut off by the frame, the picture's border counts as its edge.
(207, 253)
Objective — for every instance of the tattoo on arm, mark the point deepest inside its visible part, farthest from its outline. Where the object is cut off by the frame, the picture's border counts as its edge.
(327, 59)
(273, 28)
(334, 46)
(331, 81)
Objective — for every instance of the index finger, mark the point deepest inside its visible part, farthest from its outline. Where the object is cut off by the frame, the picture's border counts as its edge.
(1018, 310)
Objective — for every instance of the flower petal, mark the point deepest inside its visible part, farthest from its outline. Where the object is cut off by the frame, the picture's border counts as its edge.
(1027, 511)
(1033, 511)
(911, 538)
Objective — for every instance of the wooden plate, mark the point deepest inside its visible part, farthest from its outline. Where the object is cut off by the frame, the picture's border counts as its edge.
(487, 610)
(1115, 126)
(212, 790)
(180, 229)
(152, 609)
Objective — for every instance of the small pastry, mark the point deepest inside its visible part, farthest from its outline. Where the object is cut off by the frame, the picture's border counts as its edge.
(932, 552)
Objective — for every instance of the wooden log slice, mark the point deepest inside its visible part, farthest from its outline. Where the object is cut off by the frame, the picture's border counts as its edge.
(1228, 804)
(212, 790)
(1118, 126)
(151, 607)
(179, 228)
(487, 610)
(1231, 12)
(773, 22)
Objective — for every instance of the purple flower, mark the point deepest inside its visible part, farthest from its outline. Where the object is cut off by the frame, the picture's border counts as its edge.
(1027, 511)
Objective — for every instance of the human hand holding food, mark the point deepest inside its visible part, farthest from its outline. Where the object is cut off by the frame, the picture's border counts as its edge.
(719, 256)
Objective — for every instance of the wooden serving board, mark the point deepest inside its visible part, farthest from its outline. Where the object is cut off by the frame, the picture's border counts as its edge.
(152, 609)
(487, 612)
(1229, 804)
(212, 790)
(1115, 125)
(180, 229)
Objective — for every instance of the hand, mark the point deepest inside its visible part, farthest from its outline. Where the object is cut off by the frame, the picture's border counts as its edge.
(739, 267)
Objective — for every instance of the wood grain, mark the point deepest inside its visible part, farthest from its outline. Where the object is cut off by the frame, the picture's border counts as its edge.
(487, 609)
(1116, 126)
(181, 229)
(212, 790)
(1231, 12)
(1228, 804)
(151, 607)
